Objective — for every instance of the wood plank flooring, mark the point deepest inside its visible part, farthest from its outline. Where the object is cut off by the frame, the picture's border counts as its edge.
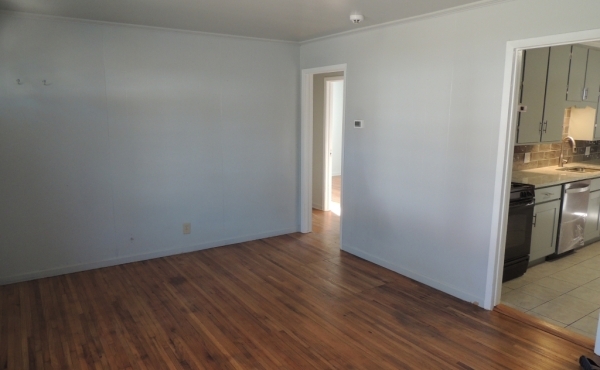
(336, 187)
(289, 302)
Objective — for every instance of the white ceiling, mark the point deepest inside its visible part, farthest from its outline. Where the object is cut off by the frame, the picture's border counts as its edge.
(292, 20)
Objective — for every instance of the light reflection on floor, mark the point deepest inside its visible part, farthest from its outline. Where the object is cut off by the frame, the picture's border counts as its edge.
(335, 208)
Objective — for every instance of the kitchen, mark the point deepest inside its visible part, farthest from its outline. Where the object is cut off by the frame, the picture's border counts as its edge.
(553, 239)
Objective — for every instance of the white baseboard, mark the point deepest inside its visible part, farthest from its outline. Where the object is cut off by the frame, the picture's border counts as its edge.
(318, 206)
(138, 257)
(415, 276)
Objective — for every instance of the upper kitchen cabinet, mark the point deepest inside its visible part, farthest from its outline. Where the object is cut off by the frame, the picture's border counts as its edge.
(576, 83)
(584, 76)
(592, 76)
(543, 88)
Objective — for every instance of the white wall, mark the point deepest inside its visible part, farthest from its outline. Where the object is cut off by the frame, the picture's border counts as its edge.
(140, 131)
(337, 121)
(419, 178)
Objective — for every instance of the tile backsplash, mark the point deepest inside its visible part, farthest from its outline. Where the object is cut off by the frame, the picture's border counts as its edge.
(544, 155)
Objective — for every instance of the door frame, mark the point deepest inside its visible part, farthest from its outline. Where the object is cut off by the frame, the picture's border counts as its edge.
(327, 147)
(506, 139)
(306, 141)
(597, 349)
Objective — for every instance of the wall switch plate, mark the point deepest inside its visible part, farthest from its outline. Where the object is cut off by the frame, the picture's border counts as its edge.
(187, 228)
(359, 123)
(587, 150)
(527, 158)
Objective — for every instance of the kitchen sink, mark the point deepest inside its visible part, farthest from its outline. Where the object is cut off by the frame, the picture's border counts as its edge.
(578, 169)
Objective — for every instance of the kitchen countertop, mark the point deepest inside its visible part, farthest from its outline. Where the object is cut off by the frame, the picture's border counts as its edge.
(548, 176)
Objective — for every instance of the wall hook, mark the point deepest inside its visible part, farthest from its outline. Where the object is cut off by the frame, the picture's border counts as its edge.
(46, 83)
(19, 82)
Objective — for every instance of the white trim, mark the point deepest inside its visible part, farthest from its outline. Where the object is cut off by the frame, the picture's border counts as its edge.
(139, 257)
(597, 349)
(503, 169)
(416, 18)
(440, 13)
(306, 141)
(327, 171)
(342, 182)
(326, 188)
(507, 131)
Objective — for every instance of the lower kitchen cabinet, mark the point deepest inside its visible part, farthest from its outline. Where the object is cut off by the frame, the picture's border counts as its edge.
(592, 226)
(545, 228)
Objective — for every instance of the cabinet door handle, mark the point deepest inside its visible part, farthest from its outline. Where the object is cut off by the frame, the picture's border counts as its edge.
(541, 124)
(577, 190)
(545, 126)
(585, 93)
(534, 219)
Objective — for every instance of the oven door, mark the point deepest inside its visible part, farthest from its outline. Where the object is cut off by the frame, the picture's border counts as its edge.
(518, 231)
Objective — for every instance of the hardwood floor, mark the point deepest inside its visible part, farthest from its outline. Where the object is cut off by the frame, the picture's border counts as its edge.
(336, 187)
(288, 302)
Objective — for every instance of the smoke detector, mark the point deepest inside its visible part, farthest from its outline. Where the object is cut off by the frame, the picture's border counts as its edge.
(356, 18)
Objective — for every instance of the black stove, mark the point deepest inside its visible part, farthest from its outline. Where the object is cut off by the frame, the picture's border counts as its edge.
(520, 191)
(518, 230)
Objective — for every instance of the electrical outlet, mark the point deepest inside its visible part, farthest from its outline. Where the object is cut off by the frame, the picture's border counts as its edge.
(527, 158)
(587, 150)
(187, 228)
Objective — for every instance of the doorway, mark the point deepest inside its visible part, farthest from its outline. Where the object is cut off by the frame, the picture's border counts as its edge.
(323, 96)
(513, 73)
(334, 117)
(328, 110)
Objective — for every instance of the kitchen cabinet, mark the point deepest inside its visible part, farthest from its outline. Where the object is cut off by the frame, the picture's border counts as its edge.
(592, 76)
(584, 75)
(592, 228)
(545, 228)
(579, 56)
(543, 87)
(545, 222)
(592, 222)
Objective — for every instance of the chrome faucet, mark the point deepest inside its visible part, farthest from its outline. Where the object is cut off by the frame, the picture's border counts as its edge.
(561, 161)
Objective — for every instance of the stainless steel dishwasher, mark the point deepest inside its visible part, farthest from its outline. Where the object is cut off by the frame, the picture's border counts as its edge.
(572, 218)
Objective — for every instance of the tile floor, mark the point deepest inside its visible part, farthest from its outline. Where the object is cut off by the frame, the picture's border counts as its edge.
(565, 292)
